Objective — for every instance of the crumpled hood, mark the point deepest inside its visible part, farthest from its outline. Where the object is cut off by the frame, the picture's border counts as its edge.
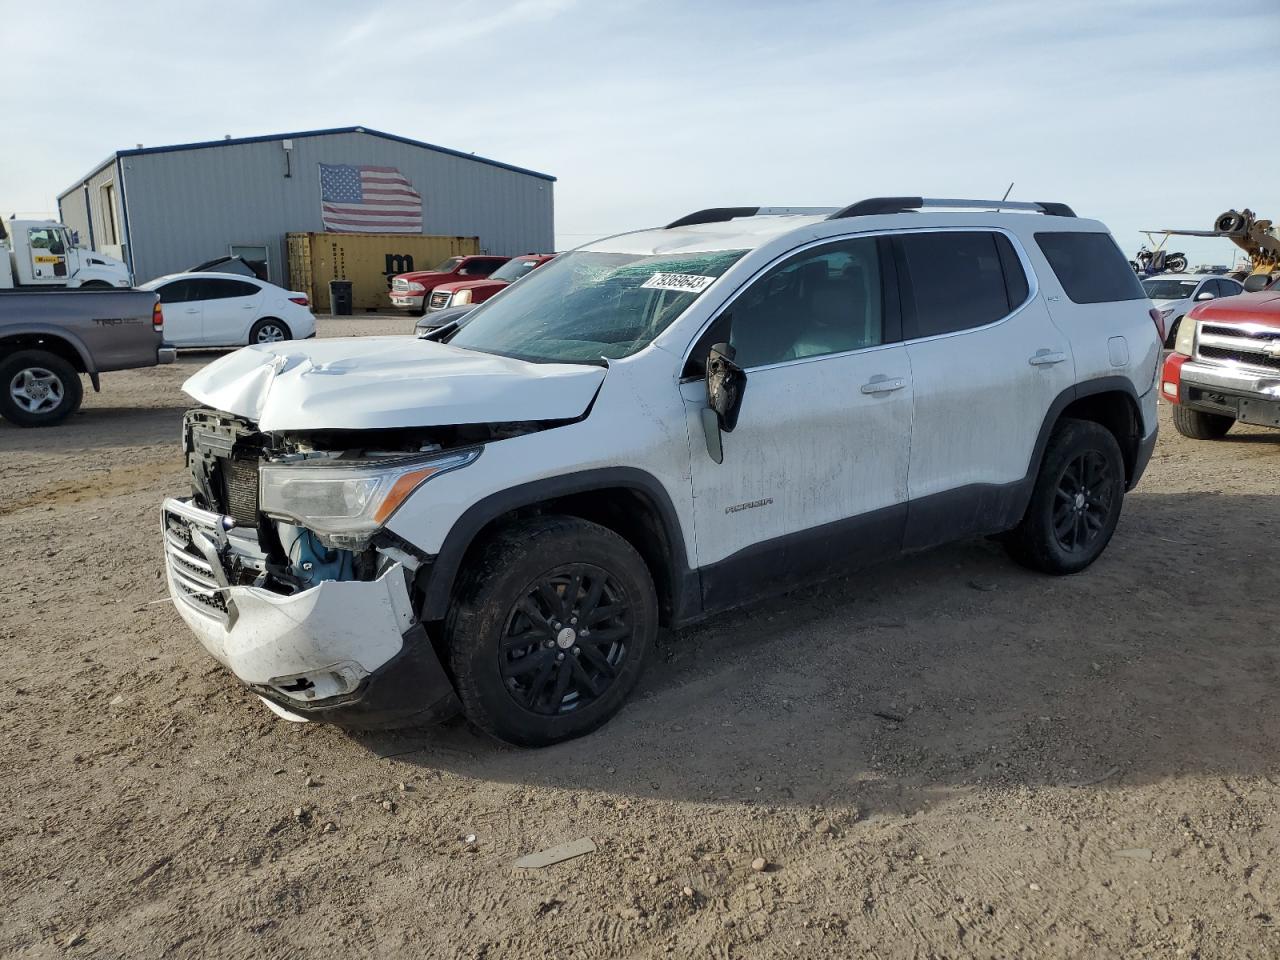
(363, 383)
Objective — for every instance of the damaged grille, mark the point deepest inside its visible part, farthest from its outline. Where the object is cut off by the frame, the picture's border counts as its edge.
(441, 299)
(190, 572)
(223, 455)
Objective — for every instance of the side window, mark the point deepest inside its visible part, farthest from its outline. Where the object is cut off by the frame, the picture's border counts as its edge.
(825, 300)
(215, 289)
(955, 280)
(179, 291)
(40, 238)
(1090, 267)
(1230, 288)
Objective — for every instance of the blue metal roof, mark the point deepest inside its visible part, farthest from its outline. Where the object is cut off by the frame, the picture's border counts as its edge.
(139, 151)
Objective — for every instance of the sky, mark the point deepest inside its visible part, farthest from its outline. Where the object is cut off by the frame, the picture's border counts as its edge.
(1139, 114)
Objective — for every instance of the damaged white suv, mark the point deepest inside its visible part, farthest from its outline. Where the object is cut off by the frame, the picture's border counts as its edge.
(650, 429)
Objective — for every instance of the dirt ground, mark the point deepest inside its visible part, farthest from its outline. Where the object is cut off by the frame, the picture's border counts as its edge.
(946, 756)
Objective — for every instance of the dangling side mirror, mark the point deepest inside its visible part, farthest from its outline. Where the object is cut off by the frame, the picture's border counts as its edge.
(726, 382)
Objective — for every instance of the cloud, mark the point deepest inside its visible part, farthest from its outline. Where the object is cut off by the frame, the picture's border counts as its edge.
(648, 110)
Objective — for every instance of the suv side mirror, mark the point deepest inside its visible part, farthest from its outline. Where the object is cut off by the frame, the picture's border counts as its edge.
(725, 383)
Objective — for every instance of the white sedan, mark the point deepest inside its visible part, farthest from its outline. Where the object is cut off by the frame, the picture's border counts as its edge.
(229, 310)
(1174, 294)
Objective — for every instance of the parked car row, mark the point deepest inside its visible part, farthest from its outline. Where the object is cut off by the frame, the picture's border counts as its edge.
(460, 281)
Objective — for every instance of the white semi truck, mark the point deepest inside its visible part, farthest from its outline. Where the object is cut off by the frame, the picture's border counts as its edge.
(41, 253)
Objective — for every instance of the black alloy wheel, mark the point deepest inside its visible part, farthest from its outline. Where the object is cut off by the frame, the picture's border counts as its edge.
(548, 628)
(1082, 503)
(565, 640)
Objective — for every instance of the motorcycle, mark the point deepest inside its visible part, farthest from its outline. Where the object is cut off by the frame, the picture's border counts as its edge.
(1149, 262)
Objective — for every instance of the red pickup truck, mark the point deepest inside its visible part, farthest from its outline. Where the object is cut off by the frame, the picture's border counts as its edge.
(462, 292)
(1225, 365)
(409, 290)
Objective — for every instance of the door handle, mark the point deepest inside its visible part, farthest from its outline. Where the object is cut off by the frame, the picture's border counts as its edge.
(882, 384)
(1045, 358)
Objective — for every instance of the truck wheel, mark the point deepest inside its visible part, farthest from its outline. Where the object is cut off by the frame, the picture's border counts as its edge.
(1199, 425)
(38, 388)
(270, 330)
(94, 285)
(1075, 504)
(549, 630)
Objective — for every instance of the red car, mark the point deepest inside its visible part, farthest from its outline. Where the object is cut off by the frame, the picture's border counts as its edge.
(409, 290)
(461, 292)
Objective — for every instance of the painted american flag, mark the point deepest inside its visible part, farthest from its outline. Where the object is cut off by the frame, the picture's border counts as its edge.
(368, 200)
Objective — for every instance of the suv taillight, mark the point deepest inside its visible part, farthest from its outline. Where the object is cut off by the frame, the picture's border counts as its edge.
(157, 318)
(1158, 320)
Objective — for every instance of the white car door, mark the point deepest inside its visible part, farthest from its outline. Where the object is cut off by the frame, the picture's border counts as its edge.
(814, 473)
(183, 315)
(988, 363)
(230, 308)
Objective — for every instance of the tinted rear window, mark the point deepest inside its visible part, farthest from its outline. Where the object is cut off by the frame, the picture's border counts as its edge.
(1090, 267)
(957, 280)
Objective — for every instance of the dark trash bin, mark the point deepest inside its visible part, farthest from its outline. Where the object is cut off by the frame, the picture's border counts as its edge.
(340, 298)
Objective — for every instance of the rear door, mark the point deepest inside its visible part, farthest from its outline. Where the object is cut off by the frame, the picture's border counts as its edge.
(230, 308)
(183, 316)
(987, 362)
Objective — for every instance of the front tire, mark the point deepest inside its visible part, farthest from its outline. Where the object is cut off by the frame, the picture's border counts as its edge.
(1075, 504)
(1198, 425)
(38, 388)
(549, 630)
(1172, 336)
(270, 330)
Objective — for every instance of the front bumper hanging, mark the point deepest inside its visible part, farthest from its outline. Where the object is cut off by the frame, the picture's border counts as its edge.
(347, 651)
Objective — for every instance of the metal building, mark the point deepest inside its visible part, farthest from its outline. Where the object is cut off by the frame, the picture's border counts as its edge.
(164, 209)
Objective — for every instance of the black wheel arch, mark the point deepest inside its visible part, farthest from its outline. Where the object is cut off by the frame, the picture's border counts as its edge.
(627, 500)
(1110, 401)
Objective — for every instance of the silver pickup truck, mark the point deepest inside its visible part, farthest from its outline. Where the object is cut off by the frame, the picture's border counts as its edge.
(48, 338)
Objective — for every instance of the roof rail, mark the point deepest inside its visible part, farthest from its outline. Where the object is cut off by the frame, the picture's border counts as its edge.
(885, 205)
(723, 214)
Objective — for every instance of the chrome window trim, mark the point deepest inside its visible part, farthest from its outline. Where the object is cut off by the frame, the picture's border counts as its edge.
(1033, 290)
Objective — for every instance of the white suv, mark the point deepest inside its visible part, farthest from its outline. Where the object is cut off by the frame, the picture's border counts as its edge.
(650, 429)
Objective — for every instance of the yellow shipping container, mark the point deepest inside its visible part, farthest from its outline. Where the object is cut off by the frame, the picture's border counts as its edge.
(368, 260)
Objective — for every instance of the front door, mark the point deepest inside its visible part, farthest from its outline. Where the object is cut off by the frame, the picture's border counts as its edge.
(814, 475)
(48, 252)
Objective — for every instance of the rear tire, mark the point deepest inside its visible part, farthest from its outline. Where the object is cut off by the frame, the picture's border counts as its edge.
(1172, 336)
(270, 330)
(548, 632)
(1075, 504)
(1198, 425)
(38, 388)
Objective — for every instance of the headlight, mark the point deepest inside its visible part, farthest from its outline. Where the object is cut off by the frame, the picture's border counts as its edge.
(414, 286)
(1167, 312)
(1186, 340)
(459, 298)
(332, 498)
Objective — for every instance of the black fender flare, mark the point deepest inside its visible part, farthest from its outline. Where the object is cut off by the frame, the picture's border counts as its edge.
(686, 596)
(1078, 391)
